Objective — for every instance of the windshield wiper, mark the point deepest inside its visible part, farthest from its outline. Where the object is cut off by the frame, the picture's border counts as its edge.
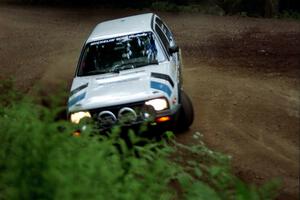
(118, 68)
(132, 65)
(149, 63)
(95, 72)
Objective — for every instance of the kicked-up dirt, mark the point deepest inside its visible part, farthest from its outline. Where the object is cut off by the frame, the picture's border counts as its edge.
(242, 75)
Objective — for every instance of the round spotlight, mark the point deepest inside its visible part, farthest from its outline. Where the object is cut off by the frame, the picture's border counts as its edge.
(106, 119)
(127, 116)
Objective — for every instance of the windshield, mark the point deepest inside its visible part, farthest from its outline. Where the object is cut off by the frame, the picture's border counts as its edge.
(121, 53)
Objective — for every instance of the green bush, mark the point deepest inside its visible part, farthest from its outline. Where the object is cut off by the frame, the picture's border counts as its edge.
(205, 8)
(289, 15)
(40, 159)
(165, 6)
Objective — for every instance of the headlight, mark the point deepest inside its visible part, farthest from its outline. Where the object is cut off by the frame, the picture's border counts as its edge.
(76, 117)
(158, 104)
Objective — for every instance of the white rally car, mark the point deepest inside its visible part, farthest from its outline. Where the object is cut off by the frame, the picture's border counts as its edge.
(129, 72)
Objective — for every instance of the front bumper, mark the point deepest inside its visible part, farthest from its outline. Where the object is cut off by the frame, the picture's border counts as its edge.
(157, 122)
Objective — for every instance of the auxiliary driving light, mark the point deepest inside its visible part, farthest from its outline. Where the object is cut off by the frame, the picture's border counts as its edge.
(76, 117)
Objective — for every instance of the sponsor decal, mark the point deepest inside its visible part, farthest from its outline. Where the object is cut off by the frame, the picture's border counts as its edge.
(161, 86)
(122, 38)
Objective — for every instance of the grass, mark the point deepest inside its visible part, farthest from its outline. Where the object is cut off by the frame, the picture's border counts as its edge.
(40, 159)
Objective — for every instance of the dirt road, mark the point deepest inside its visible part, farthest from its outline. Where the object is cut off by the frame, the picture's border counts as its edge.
(241, 73)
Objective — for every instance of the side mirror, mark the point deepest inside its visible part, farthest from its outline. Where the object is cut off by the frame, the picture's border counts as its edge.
(173, 49)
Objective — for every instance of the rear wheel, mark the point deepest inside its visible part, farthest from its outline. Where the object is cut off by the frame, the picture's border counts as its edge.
(186, 115)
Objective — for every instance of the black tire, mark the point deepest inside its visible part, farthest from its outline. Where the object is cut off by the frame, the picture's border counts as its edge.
(186, 115)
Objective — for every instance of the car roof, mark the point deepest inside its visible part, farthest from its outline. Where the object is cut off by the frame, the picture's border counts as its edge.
(122, 26)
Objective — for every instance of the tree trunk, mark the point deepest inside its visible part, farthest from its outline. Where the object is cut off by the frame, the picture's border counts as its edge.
(271, 8)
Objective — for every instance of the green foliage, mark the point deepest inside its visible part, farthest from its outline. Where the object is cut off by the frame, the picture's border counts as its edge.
(251, 8)
(205, 8)
(40, 159)
(165, 6)
(11, 95)
(289, 15)
(229, 6)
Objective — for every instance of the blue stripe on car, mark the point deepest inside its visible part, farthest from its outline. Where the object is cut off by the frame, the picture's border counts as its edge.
(161, 86)
(76, 99)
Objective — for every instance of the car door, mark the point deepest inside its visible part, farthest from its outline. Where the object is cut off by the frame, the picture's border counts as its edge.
(168, 41)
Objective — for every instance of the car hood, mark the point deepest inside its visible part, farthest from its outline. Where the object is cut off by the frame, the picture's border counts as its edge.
(113, 89)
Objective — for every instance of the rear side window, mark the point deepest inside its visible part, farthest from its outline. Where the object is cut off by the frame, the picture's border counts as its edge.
(164, 29)
(163, 37)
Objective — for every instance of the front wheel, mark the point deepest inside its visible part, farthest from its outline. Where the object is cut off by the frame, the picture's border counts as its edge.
(186, 115)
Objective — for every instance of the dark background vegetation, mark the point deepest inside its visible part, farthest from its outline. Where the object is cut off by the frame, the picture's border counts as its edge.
(257, 8)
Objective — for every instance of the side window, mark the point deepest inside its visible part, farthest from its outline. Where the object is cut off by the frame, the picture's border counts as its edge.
(165, 30)
(162, 37)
